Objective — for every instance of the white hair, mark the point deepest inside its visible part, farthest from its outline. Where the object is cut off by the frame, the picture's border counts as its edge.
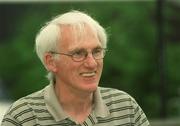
(50, 35)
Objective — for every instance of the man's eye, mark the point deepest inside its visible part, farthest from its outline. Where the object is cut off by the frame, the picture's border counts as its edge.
(97, 51)
(78, 53)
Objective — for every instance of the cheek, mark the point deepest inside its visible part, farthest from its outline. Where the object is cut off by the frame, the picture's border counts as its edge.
(67, 68)
(66, 72)
(100, 68)
(100, 64)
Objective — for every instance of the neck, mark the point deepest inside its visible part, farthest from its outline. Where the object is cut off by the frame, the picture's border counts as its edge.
(76, 104)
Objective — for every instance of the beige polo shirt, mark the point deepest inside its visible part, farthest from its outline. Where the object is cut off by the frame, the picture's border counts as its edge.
(53, 106)
(111, 107)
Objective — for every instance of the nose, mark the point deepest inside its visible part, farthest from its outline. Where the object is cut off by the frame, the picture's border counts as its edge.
(90, 62)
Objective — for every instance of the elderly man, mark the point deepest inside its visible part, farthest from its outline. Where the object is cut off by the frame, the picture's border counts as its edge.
(72, 47)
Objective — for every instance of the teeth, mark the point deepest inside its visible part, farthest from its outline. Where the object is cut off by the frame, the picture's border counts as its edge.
(88, 74)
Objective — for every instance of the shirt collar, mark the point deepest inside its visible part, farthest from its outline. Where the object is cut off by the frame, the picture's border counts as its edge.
(55, 108)
(52, 103)
(100, 108)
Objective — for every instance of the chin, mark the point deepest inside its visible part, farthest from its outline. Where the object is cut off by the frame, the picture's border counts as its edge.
(91, 87)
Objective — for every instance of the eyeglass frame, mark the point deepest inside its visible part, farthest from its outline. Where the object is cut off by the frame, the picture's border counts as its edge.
(84, 55)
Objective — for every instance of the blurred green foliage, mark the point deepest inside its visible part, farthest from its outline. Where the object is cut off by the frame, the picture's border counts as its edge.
(131, 63)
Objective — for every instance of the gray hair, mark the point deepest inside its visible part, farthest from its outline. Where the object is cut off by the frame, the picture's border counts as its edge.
(49, 36)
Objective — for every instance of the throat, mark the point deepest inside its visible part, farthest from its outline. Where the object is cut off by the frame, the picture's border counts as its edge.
(76, 105)
(77, 108)
(78, 111)
(80, 114)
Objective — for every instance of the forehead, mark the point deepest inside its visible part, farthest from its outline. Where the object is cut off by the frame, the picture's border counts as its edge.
(78, 36)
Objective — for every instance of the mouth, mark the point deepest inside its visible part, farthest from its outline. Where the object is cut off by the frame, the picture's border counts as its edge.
(88, 74)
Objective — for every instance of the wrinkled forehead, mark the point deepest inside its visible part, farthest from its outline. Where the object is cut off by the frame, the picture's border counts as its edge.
(77, 30)
(76, 33)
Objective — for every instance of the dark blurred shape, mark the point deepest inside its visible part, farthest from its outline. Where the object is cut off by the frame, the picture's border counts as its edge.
(161, 58)
(9, 13)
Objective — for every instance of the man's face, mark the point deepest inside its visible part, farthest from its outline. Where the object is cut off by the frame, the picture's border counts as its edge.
(83, 75)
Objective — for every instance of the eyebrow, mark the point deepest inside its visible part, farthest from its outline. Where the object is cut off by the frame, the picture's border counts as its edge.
(79, 49)
(76, 50)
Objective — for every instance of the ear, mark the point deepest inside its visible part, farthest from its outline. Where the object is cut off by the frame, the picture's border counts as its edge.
(50, 62)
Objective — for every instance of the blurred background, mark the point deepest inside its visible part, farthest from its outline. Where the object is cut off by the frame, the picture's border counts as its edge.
(143, 57)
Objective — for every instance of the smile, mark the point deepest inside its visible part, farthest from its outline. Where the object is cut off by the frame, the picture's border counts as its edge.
(88, 74)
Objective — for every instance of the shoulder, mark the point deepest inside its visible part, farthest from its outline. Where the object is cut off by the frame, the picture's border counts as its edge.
(26, 104)
(112, 95)
(112, 92)
(123, 105)
(25, 110)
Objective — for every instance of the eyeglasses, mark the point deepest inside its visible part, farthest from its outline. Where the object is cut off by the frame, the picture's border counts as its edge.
(81, 54)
